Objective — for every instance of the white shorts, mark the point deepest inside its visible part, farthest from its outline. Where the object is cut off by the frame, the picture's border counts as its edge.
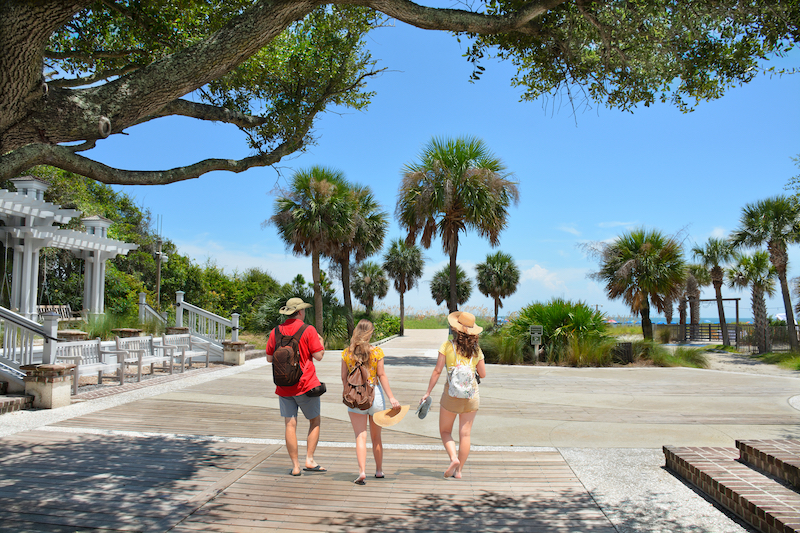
(378, 404)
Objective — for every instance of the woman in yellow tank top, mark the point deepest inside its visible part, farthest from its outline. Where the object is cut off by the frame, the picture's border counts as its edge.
(463, 359)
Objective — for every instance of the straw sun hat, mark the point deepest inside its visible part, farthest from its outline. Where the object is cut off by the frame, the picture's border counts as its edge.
(390, 417)
(464, 322)
(293, 305)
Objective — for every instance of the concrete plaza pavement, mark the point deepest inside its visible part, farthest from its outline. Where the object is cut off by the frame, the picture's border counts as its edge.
(603, 427)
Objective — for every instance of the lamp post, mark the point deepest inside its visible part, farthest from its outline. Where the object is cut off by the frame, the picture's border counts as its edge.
(160, 257)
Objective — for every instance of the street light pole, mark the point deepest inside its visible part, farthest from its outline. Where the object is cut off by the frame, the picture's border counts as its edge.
(158, 276)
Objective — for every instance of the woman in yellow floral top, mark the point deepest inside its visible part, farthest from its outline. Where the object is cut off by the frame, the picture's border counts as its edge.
(360, 350)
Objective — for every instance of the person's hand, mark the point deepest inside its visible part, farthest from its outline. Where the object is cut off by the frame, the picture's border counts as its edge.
(424, 398)
(395, 403)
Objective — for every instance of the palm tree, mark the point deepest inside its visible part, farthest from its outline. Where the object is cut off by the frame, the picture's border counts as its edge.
(498, 278)
(440, 287)
(756, 272)
(369, 282)
(642, 267)
(712, 255)
(311, 215)
(458, 184)
(403, 264)
(697, 277)
(369, 229)
(773, 222)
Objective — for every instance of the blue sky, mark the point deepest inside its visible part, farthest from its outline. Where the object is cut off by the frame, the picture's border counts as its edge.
(583, 176)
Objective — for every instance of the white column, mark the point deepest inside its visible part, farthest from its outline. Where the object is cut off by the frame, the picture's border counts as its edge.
(16, 276)
(97, 284)
(101, 284)
(34, 288)
(25, 293)
(88, 268)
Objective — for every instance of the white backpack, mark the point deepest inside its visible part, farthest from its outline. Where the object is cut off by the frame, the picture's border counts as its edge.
(461, 379)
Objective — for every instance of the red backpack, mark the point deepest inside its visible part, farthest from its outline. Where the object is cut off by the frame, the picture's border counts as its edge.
(286, 369)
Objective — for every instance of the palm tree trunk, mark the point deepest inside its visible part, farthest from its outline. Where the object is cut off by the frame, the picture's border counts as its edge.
(668, 310)
(760, 319)
(787, 304)
(315, 275)
(348, 300)
(778, 257)
(452, 304)
(402, 314)
(496, 310)
(647, 325)
(723, 324)
(682, 316)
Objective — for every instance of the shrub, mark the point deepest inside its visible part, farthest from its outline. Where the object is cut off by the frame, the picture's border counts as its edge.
(503, 348)
(386, 325)
(589, 351)
(661, 356)
(560, 320)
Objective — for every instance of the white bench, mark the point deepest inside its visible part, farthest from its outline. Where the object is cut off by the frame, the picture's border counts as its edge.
(89, 357)
(141, 351)
(64, 312)
(188, 349)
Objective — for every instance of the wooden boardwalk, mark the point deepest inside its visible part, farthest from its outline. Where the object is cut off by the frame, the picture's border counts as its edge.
(201, 460)
(210, 457)
(63, 482)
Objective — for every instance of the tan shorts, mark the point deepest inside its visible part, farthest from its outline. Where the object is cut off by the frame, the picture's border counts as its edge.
(459, 405)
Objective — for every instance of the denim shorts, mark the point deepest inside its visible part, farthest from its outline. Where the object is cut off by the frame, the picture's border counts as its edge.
(378, 404)
(309, 406)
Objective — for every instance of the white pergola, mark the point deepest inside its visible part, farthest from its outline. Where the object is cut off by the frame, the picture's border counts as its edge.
(29, 226)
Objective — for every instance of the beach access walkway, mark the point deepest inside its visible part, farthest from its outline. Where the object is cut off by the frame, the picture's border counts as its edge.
(554, 450)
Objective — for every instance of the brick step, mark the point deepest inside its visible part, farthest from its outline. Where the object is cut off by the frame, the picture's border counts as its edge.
(778, 458)
(14, 402)
(765, 504)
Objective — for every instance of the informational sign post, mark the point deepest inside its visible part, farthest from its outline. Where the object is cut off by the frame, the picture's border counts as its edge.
(536, 337)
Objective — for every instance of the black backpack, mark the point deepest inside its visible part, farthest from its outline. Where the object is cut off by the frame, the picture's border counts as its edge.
(286, 369)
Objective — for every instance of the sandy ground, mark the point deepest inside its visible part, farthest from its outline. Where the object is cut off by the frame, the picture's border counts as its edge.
(735, 362)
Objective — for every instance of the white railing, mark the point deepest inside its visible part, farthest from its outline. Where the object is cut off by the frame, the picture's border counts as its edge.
(147, 313)
(203, 323)
(19, 334)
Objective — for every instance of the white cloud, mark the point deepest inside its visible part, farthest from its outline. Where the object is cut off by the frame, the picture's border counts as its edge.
(615, 224)
(282, 266)
(540, 274)
(719, 233)
(569, 228)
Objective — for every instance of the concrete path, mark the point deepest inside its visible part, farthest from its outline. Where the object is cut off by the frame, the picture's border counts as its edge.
(604, 426)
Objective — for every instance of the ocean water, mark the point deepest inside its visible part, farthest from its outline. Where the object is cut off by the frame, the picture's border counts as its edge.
(676, 319)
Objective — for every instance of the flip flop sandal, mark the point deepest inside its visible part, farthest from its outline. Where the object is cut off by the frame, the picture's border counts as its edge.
(422, 410)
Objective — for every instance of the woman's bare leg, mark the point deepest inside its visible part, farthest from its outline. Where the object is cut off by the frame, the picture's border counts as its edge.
(377, 446)
(446, 421)
(465, 421)
(359, 423)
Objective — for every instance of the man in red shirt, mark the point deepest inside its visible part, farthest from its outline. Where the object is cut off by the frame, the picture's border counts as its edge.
(290, 398)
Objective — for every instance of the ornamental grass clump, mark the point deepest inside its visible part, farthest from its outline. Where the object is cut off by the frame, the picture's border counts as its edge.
(649, 351)
(589, 351)
(502, 348)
